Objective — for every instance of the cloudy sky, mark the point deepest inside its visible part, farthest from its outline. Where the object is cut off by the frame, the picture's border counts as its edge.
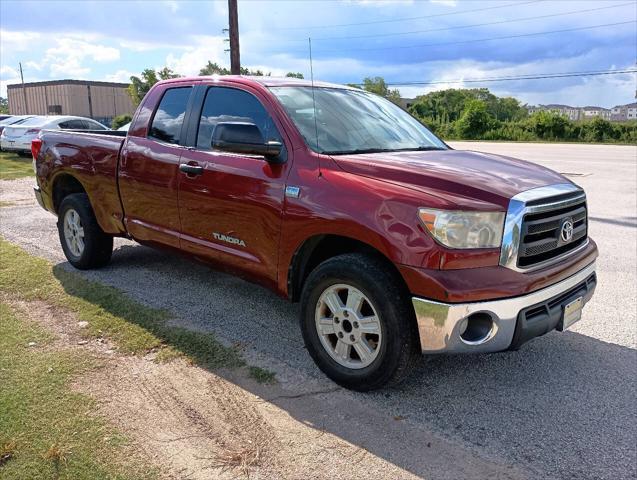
(447, 41)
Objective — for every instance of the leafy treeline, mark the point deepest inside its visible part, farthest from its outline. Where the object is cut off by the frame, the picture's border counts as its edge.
(139, 86)
(477, 114)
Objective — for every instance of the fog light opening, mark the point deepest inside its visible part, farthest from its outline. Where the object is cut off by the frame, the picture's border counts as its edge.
(479, 328)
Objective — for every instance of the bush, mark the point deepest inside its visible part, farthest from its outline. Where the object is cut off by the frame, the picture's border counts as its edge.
(474, 121)
(515, 131)
(549, 125)
(120, 121)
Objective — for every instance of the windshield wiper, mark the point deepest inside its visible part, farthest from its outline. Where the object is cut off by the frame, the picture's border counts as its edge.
(356, 151)
(421, 148)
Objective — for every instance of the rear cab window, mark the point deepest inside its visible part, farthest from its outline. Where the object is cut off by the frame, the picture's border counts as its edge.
(168, 119)
(226, 104)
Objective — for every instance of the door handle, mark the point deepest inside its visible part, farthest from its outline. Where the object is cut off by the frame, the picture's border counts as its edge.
(190, 169)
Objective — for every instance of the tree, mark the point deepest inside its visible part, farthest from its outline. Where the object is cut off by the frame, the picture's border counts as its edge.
(4, 104)
(216, 69)
(140, 85)
(509, 109)
(599, 130)
(213, 69)
(475, 120)
(549, 125)
(120, 121)
(378, 86)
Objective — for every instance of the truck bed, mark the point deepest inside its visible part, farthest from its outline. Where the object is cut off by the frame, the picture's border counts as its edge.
(92, 158)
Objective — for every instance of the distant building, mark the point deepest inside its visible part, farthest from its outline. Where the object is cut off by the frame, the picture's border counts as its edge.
(619, 113)
(101, 101)
(588, 113)
(623, 113)
(573, 113)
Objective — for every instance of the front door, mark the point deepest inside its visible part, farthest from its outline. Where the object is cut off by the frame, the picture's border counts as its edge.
(231, 209)
(149, 173)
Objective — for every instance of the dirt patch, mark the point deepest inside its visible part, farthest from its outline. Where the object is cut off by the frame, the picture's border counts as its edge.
(197, 424)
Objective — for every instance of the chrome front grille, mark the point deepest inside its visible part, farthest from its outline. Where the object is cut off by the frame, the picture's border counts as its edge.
(544, 225)
(541, 238)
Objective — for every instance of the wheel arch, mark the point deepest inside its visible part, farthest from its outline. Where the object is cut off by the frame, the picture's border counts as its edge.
(320, 247)
(64, 185)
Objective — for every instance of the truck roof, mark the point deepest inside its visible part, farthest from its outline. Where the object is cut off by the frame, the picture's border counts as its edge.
(266, 81)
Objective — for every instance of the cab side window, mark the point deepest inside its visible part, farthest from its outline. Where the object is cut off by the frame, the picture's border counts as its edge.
(169, 117)
(224, 104)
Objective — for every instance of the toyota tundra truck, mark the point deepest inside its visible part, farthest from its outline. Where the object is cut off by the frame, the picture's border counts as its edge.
(394, 244)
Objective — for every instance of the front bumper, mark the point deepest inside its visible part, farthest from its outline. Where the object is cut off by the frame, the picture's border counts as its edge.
(501, 324)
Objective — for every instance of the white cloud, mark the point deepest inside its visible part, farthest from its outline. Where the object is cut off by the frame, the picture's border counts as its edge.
(33, 65)
(12, 41)
(194, 58)
(447, 3)
(172, 5)
(6, 71)
(382, 3)
(120, 76)
(67, 58)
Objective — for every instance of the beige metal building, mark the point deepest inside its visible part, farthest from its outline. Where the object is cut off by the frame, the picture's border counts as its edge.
(98, 100)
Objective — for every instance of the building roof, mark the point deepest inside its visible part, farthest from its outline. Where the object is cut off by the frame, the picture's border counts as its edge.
(557, 105)
(69, 82)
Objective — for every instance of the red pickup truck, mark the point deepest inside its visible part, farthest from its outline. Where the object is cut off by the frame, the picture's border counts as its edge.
(394, 243)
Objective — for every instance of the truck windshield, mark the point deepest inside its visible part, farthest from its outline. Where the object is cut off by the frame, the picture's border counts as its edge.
(353, 121)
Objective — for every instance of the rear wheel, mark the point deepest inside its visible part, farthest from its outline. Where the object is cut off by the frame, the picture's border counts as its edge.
(357, 322)
(84, 243)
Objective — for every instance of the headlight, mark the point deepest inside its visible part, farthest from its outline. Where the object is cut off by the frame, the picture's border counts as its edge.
(464, 229)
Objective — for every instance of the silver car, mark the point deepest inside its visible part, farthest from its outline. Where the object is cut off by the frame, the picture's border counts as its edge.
(17, 137)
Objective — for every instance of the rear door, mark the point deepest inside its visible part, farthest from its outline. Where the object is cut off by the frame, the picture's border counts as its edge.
(231, 211)
(149, 171)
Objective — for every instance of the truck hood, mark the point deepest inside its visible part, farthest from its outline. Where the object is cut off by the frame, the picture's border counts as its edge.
(459, 177)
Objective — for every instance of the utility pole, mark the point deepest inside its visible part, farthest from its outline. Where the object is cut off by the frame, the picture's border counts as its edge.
(24, 91)
(233, 23)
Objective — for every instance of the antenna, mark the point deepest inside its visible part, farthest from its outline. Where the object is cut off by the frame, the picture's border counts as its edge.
(314, 103)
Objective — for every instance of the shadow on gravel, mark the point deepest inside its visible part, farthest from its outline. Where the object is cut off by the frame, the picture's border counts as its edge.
(563, 406)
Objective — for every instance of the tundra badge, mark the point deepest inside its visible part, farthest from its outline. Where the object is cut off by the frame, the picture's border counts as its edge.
(228, 239)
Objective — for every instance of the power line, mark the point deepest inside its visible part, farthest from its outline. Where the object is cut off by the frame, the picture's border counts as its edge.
(537, 76)
(476, 40)
(404, 19)
(499, 22)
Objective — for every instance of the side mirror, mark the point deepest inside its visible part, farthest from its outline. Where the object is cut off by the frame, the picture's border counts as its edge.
(244, 137)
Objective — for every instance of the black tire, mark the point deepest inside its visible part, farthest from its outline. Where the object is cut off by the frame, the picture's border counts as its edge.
(399, 348)
(98, 246)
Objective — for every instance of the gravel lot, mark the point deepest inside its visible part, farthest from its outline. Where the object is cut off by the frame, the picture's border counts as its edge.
(561, 407)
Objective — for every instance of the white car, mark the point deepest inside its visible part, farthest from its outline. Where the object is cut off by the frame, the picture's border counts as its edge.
(17, 137)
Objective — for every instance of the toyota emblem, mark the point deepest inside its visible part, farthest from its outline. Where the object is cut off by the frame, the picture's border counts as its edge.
(567, 230)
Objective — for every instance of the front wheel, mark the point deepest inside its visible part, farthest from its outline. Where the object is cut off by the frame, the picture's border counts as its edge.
(84, 243)
(357, 322)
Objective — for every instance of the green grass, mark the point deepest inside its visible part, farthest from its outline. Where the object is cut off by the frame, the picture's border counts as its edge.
(135, 328)
(46, 430)
(261, 375)
(13, 166)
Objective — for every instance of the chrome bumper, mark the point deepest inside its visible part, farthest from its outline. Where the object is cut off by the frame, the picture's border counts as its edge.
(441, 326)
